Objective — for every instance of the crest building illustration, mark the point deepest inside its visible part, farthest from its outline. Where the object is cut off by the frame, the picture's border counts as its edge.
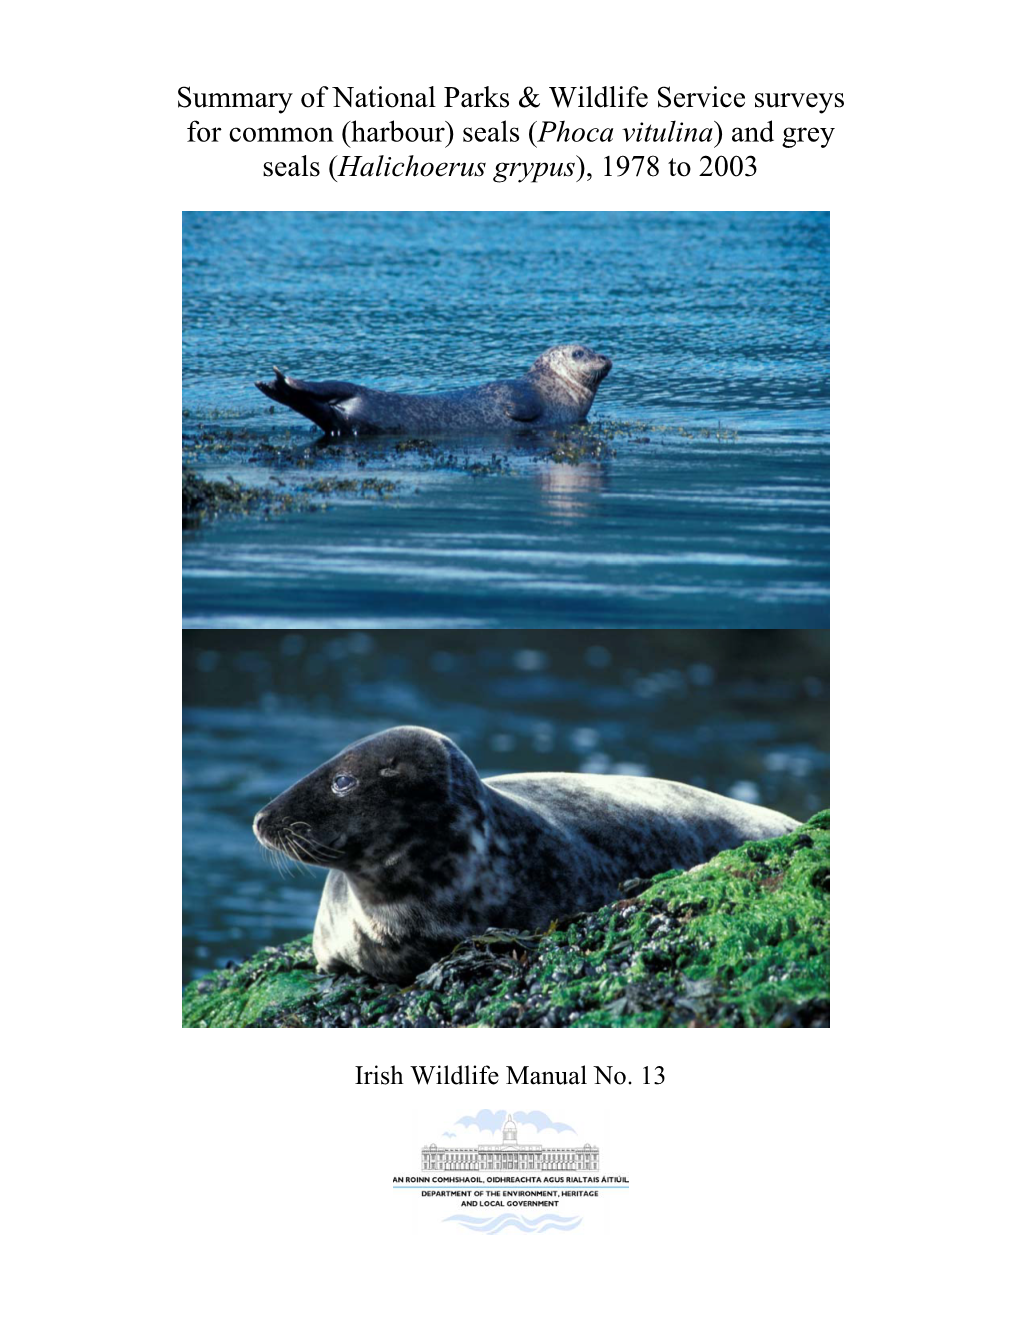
(509, 1154)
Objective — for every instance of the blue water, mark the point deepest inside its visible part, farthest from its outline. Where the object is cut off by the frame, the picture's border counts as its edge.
(718, 326)
(745, 714)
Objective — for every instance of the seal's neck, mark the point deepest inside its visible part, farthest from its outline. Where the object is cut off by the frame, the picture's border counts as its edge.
(580, 393)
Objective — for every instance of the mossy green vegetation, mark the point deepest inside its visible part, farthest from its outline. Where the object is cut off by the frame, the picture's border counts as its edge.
(742, 941)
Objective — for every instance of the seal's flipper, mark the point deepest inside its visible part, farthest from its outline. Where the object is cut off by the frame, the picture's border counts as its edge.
(329, 391)
(525, 406)
(316, 400)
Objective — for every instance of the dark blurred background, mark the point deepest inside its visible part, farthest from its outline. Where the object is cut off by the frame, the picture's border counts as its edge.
(744, 713)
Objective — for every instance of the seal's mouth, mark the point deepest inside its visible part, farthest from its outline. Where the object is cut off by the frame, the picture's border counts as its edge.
(603, 368)
(295, 839)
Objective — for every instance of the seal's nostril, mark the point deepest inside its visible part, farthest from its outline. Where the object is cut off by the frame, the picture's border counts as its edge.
(256, 823)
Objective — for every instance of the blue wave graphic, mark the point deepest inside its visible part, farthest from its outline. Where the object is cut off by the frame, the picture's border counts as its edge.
(496, 1223)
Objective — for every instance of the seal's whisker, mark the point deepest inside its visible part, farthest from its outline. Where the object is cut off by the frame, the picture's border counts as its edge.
(325, 859)
(308, 847)
(279, 858)
(268, 852)
(301, 853)
(320, 854)
(283, 862)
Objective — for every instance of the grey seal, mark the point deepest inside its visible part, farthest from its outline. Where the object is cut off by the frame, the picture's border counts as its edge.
(559, 389)
(422, 852)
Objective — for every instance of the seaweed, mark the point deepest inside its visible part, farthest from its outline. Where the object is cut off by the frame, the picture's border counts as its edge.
(202, 500)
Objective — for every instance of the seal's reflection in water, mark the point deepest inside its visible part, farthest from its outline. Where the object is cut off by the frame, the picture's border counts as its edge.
(570, 491)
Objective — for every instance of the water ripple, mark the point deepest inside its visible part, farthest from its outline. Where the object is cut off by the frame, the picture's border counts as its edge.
(717, 323)
(497, 1223)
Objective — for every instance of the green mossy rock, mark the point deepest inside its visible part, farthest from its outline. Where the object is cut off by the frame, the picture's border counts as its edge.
(742, 941)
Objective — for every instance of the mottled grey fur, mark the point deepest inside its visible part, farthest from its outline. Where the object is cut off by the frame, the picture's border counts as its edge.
(424, 852)
(559, 389)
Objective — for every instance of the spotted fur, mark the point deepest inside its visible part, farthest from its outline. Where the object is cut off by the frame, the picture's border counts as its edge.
(423, 852)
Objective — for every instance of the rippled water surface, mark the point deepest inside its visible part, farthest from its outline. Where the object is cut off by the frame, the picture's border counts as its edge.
(707, 505)
(738, 713)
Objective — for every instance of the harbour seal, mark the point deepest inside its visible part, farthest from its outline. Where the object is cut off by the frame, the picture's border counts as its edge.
(559, 389)
(423, 852)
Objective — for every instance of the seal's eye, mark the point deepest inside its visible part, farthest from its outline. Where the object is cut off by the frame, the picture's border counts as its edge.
(343, 784)
(579, 352)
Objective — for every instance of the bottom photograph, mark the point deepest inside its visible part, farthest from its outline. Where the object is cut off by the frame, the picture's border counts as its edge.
(526, 828)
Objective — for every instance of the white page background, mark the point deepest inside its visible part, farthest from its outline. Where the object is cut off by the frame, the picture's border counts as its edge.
(776, 1173)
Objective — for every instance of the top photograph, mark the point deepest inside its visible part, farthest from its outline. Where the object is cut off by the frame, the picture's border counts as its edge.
(493, 420)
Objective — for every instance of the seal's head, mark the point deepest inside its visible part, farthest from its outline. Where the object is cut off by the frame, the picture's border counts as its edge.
(575, 365)
(372, 809)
